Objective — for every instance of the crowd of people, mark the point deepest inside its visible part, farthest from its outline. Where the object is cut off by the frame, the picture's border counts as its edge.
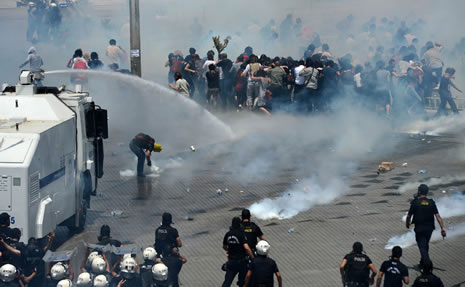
(393, 80)
(247, 257)
(396, 79)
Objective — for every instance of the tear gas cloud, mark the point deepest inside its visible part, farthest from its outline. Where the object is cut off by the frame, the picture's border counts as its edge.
(431, 182)
(408, 239)
(324, 148)
(299, 198)
(327, 149)
(437, 126)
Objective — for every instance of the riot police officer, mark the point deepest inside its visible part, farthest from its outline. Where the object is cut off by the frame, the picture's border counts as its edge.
(160, 275)
(9, 276)
(251, 230)
(262, 268)
(427, 278)
(424, 210)
(355, 268)
(150, 256)
(166, 236)
(235, 244)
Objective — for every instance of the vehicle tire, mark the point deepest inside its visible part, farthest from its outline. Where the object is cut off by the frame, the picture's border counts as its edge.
(87, 179)
(82, 220)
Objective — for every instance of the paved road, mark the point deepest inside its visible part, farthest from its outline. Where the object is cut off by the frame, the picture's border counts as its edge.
(309, 256)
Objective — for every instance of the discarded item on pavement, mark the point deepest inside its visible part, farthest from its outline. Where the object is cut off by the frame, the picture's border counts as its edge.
(422, 171)
(116, 212)
(386, 166)
(404, 164)
(192, 148)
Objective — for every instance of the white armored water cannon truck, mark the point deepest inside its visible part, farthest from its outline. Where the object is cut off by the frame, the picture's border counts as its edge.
(51, 156)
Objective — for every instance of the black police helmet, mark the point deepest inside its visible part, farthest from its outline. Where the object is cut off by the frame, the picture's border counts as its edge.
(245, 214)
(357, 247)
(423, 189)
(105, 230)
(166, 218)
(427, 267)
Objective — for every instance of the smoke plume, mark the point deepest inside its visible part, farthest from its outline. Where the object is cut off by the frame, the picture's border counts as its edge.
(408, 239)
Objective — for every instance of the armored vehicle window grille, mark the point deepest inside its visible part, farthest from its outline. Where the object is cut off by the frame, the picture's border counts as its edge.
(34, 188)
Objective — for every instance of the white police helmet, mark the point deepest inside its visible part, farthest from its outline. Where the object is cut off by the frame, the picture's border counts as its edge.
(101, 281)
(98, 265)
(84, 280)
(160, 272)
(58, 271)
(92, 256)
(263, 247)
(128, 267)
(150, 253)
(7, 273)
(65, 283)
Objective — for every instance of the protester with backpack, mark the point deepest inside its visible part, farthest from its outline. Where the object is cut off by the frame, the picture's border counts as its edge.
(355, 268)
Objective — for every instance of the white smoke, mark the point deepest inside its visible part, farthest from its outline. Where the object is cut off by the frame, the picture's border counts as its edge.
(408, 239)
(301, 197)
(449, 206)
(437, 126)
(444, 180)
(176, 162)
(327, 149)
(155, 171)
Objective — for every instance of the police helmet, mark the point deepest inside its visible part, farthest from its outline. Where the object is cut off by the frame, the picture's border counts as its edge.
(101, 281)
(150, 253)
(92, 256)
(58, 271)
(84, 280)
(65, 283)
(263, 247)
(98, 265)
(160, 272)
(7, 273)
(128, 267)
